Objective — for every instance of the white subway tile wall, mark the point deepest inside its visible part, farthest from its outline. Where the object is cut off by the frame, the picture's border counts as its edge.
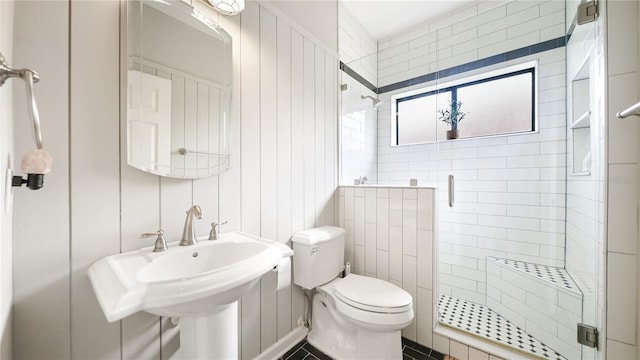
(358, 133)
(509, 190)
(468, 35)
(396, 245)
(415, 53)
(358, 120)
(356, 46)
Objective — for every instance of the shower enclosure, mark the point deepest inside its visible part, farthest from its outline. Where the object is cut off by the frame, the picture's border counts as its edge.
(520, 193)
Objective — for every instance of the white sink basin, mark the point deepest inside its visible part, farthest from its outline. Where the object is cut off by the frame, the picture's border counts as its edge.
(184, 280)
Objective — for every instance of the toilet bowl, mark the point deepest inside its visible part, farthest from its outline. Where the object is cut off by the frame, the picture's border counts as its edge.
(355, 317)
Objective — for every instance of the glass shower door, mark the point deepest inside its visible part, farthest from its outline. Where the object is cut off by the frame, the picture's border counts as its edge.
(520, 227)
(585, 171)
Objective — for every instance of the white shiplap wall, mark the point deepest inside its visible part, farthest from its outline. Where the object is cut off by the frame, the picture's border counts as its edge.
(509, 189)
(283, 177)
(41, 267)
(6, 159)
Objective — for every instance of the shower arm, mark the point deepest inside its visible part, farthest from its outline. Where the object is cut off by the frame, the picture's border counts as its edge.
(30, 77)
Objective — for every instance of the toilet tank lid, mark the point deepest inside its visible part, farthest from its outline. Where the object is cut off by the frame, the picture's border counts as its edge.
(317, 235)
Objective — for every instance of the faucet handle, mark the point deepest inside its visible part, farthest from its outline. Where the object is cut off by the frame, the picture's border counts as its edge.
(213, 234)
(161, 243)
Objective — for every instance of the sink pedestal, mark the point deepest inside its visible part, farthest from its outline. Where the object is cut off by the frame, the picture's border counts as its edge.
(213, 336)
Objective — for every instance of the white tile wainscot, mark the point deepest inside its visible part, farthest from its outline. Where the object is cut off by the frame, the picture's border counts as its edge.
(390, 236)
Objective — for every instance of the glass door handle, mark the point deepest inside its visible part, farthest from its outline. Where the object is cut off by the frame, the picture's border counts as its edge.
(450, 190)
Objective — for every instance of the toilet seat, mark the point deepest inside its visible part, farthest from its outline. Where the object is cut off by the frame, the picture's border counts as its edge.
(371, 294)
(371, 303)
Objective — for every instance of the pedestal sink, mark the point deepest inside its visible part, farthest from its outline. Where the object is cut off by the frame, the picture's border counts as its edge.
(199, 284)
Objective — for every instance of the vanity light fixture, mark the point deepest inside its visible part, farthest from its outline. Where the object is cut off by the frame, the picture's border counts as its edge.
(227, 7)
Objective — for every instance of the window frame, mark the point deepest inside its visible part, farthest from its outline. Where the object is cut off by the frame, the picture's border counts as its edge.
(469, 80)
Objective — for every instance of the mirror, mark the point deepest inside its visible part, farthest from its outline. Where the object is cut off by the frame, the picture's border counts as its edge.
(179, 78)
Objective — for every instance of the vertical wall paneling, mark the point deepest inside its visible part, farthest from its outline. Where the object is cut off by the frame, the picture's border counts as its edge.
(216, 118)
(7, 159)
(268, 170)
(320, 100)
(297, 132)
(250, 118)
(250, 163)
(202, 124)
(309, 136)
(190, 122)
(297, 155)
(330, 136)
(175, 200)
(268, 126)
(283, 136)
(230, 198)
(140, 212)
(205, 194)
(40, 236)
(178, 119)
(94, 182)
(230, 208)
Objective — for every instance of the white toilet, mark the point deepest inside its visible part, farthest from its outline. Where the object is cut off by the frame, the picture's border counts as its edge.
(355, 317)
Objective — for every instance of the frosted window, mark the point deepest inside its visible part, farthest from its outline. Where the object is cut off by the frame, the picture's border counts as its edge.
(495, 105)
(417, 118)
(499, 106)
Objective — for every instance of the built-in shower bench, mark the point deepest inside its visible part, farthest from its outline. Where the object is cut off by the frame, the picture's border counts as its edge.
(542, 300)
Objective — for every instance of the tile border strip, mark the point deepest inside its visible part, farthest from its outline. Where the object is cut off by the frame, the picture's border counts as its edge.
(473, 65)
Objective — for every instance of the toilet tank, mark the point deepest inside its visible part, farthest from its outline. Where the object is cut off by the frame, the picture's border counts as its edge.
(318, 255)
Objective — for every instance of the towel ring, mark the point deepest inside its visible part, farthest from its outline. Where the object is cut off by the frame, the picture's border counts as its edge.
(30, 77)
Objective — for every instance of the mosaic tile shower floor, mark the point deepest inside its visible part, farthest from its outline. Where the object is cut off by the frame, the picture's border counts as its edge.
(481, 321)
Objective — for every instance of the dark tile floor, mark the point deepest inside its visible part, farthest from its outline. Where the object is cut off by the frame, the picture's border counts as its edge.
(410, 351)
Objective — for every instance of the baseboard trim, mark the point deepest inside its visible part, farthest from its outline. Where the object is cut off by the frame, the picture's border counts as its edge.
(283, 345)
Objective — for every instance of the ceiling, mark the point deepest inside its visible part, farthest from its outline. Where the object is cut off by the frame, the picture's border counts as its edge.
(383, 18)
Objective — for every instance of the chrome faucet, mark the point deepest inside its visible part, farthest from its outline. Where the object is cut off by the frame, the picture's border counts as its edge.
(213, 234)
(161, 243)
(189, 232)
